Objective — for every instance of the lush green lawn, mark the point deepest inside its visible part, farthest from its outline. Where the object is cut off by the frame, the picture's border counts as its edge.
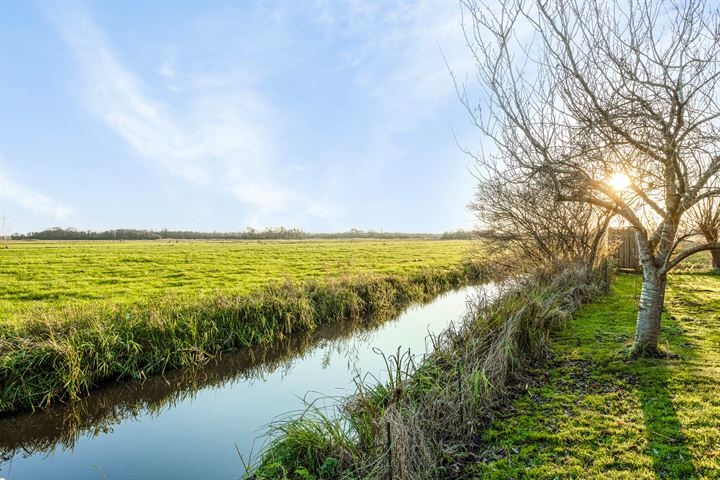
(56, 273)
(598, 416)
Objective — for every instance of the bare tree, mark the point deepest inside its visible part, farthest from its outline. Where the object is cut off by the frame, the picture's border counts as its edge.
(523, 226)
(613, 104)
(706, 215)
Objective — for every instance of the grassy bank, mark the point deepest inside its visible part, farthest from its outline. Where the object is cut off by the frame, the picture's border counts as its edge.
(425, 415)
(593, 415)
(58, 274)
(63, 352)
(103, 410)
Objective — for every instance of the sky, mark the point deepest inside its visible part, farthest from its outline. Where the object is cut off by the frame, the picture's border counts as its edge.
(220, 116)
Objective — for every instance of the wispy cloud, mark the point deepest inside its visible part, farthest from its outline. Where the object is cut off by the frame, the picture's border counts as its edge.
(32, 200)
(398, 54)
(217, 135)
(410, 77)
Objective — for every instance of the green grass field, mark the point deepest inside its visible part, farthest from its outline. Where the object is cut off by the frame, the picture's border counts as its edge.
(77, 314)
(61, 273)
(598, 416)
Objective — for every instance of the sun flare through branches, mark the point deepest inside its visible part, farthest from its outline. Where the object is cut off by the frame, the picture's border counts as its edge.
(619, 181)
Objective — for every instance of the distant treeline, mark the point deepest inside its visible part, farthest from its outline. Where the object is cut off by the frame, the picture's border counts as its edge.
(280, 233)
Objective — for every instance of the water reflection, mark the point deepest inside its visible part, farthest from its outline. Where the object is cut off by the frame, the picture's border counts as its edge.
(188, 422)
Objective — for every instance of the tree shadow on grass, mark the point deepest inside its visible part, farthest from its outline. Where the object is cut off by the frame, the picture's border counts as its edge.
(666, 443)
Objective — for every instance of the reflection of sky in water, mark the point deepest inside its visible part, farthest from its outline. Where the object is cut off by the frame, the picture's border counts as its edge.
(197, 437)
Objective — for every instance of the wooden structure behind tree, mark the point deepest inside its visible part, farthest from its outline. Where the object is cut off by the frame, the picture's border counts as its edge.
(624, 248)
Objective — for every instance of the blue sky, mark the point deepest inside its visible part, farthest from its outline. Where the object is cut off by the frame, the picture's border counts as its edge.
(218, 116)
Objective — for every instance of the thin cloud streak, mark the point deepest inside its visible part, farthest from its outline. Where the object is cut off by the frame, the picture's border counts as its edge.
(218, 139)
(32, 200)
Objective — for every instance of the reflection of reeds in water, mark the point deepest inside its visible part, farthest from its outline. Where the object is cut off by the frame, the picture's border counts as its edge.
(42, 431)
(62, 355)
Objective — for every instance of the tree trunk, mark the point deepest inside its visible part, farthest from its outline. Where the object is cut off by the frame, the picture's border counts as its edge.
(715, 259)
(712, 235)
(652, 299)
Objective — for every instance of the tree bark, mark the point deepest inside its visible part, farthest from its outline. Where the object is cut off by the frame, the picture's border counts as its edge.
(652, 300)
(712, 235)
(715, 259)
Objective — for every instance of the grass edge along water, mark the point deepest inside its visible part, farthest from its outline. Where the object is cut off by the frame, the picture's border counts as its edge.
(406, 427)
(62, 354)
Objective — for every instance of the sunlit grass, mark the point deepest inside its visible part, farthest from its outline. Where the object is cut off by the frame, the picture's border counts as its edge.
(79, 314)
(61, 273)
(598, 416)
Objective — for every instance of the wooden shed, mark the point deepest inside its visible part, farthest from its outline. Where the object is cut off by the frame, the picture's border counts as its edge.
(622, 242)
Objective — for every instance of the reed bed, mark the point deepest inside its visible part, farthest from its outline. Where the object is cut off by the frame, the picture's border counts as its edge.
(60, 354)
(407, 426)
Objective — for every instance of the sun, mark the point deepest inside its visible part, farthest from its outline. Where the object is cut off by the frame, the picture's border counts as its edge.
(619, 181)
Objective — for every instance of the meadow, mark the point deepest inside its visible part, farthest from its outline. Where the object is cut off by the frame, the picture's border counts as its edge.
(61, 273)
(79, 314)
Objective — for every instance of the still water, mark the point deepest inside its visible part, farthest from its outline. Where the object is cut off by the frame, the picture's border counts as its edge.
(197, 424)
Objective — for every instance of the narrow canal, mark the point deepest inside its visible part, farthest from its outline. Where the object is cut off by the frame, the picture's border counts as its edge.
(197, 424)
